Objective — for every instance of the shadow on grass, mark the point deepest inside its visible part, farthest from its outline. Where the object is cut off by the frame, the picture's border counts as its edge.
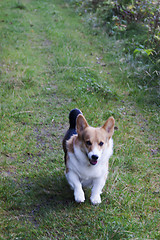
(31, 193)
(50, 191)
(46, 201)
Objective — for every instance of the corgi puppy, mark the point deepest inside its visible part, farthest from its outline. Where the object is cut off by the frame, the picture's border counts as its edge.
(87, 151)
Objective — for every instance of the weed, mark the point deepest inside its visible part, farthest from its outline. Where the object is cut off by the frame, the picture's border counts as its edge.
(19, 5)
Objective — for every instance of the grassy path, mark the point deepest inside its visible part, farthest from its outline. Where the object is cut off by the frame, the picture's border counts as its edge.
(50, 63)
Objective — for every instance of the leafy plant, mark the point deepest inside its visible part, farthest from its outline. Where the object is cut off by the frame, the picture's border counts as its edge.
(137, 22)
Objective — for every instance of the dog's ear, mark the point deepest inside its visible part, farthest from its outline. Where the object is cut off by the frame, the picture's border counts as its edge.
(81, 123)
(109, 126)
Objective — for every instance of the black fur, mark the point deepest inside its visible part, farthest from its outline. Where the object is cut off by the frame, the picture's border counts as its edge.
(72, 127)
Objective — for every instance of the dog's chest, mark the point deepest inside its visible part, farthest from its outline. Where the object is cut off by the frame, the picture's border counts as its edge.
(84, 169)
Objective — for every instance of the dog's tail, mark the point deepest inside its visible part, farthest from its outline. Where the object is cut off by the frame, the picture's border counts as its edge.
(73, 116)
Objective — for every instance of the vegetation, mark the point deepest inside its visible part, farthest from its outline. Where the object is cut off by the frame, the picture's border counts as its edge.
(137, 24)
(50, 63)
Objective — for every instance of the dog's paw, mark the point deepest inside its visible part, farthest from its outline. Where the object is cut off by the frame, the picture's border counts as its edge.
(96, 199)
(79, 197)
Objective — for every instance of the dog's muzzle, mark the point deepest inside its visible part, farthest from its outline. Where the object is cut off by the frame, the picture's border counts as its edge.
(93, 159)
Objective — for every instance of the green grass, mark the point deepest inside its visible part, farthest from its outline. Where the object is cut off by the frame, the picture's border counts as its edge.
(50, 63)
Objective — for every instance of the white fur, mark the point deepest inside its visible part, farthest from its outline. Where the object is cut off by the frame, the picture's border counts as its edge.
(95, 151)
(80, 173)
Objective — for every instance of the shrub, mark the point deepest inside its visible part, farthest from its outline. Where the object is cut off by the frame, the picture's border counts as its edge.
(138, 23)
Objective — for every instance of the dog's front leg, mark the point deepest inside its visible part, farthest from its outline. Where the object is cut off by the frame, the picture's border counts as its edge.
(98, 185)
(76, 185)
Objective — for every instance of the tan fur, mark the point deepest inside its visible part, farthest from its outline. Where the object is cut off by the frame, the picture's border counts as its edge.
(70, 144)
(95, 136)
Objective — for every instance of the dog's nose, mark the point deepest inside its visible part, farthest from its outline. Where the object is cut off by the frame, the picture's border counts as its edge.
(94, 157)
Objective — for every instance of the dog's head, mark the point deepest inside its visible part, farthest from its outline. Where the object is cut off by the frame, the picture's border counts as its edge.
(94, 140)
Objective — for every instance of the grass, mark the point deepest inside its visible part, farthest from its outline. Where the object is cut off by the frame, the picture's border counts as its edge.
(51, 63)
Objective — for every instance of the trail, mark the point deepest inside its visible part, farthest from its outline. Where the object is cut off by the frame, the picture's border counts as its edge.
(51, 62)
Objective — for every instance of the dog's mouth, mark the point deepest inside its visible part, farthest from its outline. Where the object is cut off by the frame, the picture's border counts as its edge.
(93, 159)
(93, 162)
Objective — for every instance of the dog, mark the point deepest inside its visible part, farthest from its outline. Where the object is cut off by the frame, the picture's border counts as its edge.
(86, 152)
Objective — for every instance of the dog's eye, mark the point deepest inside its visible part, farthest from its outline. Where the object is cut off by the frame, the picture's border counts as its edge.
(88, 143)
(101, 144)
